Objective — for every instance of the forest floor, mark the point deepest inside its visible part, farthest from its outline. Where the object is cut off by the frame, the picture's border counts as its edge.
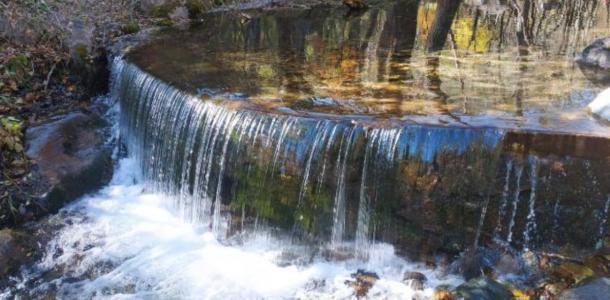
(51, 53)
(38, 79)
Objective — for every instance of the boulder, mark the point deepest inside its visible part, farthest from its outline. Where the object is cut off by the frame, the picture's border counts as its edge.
(508, 265)
(596, 55)
(179, 15)
(572, 272)
(415, 280)
(363, 282)
(600, 106)
(71, 159)
(12, 255)
(594, 61)
(598, 289)
(88, 63)
(473, 264)
(482, 288)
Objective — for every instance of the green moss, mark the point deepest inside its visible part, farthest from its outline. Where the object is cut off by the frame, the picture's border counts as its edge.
(17, 63)
(81, 51)
(130, 27)
(195, 8)
(163, 10)
(165, 23)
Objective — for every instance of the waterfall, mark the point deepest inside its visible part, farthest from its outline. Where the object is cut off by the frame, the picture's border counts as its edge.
(603, 223)
(339, 207)
(530, 226)
(362, 227)
(519, 172)
(217, 159)
(504, 201)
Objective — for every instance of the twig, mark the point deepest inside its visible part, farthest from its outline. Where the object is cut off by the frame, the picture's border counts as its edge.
(46, 82)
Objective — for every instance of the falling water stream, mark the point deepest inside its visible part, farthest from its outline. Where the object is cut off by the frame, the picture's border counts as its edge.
(274, 158)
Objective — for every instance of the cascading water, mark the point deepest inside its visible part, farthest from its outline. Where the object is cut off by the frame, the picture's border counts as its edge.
(530, 226)
(603, 223)
(519, 172)
(330, 179)
(505, 195)
(339, 200)
(325, 139)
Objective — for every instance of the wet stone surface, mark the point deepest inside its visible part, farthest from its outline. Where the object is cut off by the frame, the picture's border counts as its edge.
(71, 158)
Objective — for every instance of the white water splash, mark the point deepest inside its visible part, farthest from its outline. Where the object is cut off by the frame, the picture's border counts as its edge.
(130, 244)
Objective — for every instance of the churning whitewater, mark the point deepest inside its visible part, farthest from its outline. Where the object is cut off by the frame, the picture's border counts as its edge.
(127, 242)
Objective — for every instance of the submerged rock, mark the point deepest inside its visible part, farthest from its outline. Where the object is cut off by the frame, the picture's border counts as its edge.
(71, 159)
(482, 288)
(598, 289)
(600, 106)
(363, 282)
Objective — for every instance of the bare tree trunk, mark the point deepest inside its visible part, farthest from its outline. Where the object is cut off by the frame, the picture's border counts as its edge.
(445, 13)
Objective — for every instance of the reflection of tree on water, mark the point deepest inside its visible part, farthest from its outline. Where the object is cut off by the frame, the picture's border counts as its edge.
(375, 62)
(292, 47)
(548, 23)
(446, 11)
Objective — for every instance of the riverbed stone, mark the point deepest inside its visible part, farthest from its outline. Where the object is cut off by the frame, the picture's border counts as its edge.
(363, 282)
(415, 280)
(71, 159)
(482, 288)
(598, 289)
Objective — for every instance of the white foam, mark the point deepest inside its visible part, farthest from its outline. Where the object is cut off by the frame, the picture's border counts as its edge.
(128, 243)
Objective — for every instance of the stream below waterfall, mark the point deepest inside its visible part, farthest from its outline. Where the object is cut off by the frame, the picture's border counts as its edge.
(126, 242)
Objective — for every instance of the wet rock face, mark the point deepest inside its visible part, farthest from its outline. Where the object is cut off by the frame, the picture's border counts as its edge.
(597, 289)
(594, 61)
(71, 159)
(415, 280)
(87, 62)
(482, 288)
(363, 282)
(12, 254)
